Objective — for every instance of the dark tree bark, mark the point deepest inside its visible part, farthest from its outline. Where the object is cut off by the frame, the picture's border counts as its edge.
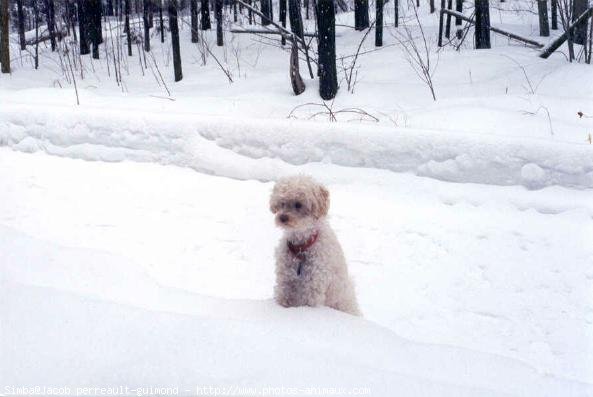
(151, 14)
(554, 7)
(326, 25)
(448, 24)
(542, 11)
(145, 19)
(92, 10)
(566, 36)
(206, 25)
(432, 6)
(580, 32)
(83, 26)
(21, 23)
(379, 23)
(51, 22)
(396, 13)
(250, 13)
(266, 9)
(36, 17)
(193, 10)
(482, 26)
(109, 8)
(71, 17)
(458, 8)
(127, 26)
(283, 17)
(175, 39)
(4, 44)
(361, 14)
(296, 19)
(235, 14)
(218, 12)
(298, 86)
(162, 24)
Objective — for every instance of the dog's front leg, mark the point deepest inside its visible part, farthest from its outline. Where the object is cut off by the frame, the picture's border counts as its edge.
(317, 288)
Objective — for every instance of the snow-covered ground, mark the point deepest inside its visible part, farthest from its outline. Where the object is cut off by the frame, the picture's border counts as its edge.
(140, 252)
(167, 274)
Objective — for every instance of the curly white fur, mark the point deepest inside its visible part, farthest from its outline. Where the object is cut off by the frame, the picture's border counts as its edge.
(301, 206)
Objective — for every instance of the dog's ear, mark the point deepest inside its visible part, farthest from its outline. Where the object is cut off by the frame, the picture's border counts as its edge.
(322, 197)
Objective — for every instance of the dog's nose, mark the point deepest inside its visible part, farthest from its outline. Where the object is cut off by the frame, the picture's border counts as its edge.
(283, 218)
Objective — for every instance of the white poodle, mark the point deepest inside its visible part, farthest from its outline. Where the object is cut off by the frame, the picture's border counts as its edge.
(310, 265)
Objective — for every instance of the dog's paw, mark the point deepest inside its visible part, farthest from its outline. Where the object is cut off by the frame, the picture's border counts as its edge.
(283, 301)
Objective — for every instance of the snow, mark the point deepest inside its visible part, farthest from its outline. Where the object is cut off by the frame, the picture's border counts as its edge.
(466, 289)
(136, 244)
(251, 148)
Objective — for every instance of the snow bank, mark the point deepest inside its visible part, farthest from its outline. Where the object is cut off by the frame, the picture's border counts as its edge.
(263, 149)
(70, 319)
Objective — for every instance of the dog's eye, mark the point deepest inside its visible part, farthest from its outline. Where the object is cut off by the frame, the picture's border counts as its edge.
(298, 205)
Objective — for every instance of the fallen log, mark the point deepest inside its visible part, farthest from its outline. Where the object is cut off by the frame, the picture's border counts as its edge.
(265, 31)
(556, 43)
(459, 15)
(44, 36)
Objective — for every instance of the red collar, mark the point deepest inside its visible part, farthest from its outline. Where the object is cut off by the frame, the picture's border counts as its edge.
(299, 249)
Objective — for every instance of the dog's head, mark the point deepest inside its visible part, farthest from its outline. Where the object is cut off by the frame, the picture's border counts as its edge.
(298, 202)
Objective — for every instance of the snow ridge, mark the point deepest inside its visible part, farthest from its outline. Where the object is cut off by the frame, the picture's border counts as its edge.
(263, 149)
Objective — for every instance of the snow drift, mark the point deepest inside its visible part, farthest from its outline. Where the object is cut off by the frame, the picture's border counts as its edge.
(263, 149)
(71, 320)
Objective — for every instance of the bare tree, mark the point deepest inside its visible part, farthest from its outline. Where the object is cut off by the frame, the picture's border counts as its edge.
(379, 23)
(193, 7)
(4, 45)
(418, 50)
(83, 27)
(146, 21)
(361, 14)
(542, 11)
(21, 24)
(175, 39)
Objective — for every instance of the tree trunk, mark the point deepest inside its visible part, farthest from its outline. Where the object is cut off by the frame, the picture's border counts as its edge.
(458, 8)
(396, 13)
(51, 22)
(162, 24)
(296, 19)
(266, 9)
(83, 27)
(298, 86)
(193, 10)
(379, 23)
(127, 26)
(542, 11)
(432, 6)
(482, 26)
(36, 16)
(21, 23)
(283, 17)
(206, 15)
(4, 44)
(92, 8)
(554, 8)
(566, 36)
(175, 39)
(580, 32)
(145, 19)
(326, 25)
(218, 12)
(361, 14)
(448, 24)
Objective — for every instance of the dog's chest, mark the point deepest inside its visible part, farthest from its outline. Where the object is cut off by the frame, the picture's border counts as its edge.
(301, 267)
